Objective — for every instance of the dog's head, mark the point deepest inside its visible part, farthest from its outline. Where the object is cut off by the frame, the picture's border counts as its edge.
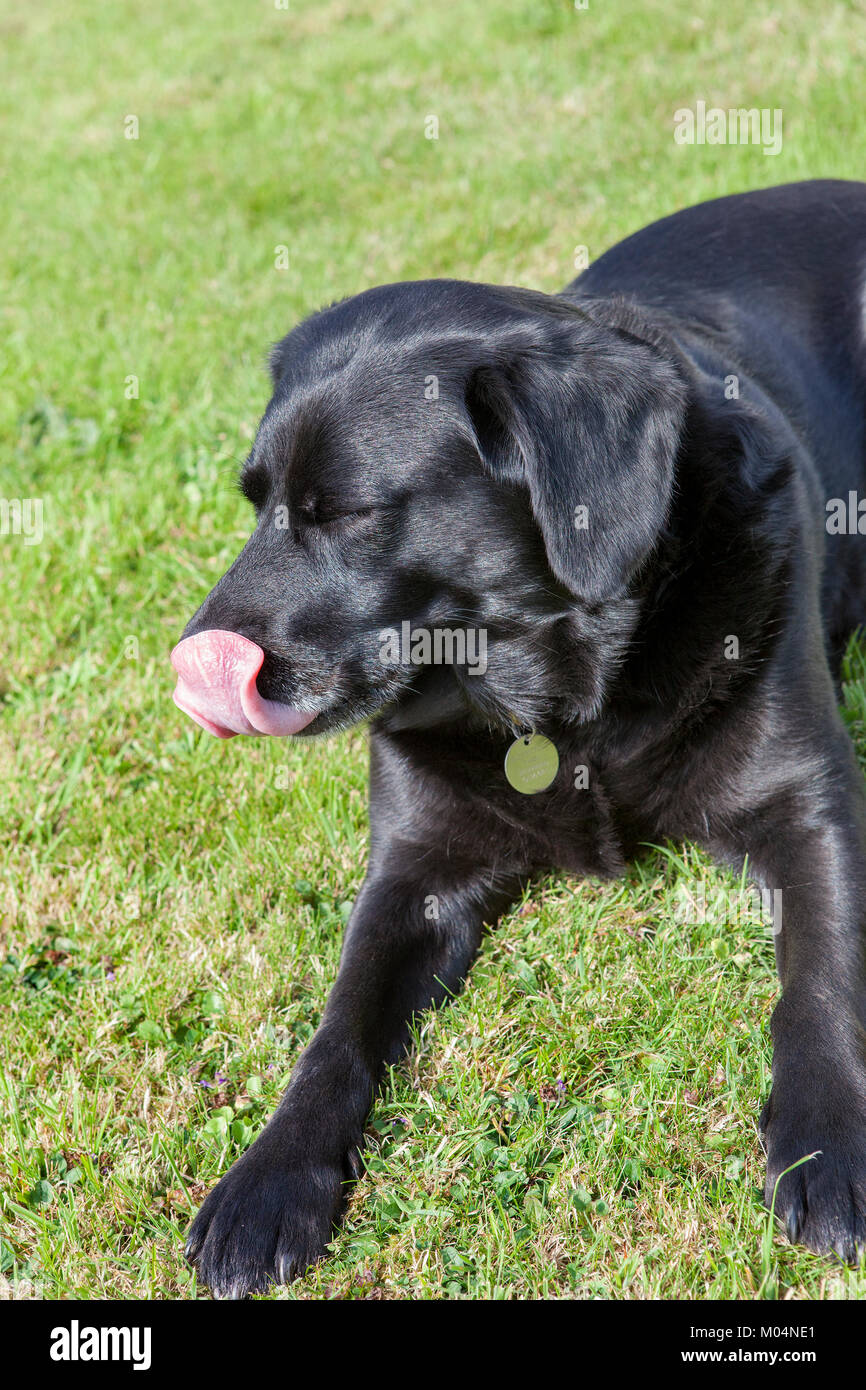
(457, 488)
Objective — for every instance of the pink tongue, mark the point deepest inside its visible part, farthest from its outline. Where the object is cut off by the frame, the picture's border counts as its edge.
(216, 686)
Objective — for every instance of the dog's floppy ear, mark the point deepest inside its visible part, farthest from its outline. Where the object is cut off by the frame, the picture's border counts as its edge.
(588, 418)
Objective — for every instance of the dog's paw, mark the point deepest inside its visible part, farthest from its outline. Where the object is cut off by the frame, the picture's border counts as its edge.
(265, 1223)
(821, 1202)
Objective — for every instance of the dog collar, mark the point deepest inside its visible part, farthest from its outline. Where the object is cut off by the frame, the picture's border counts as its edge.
(531, 763)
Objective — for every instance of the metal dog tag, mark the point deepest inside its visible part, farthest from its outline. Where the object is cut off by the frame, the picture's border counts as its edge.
(531, 764)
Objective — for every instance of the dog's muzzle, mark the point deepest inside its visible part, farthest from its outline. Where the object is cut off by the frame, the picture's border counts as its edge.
(216, 687)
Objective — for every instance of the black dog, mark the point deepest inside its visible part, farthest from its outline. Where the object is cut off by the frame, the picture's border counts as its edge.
(623, 519)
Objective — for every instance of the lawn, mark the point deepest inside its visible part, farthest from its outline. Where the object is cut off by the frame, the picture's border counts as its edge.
(582, 1122)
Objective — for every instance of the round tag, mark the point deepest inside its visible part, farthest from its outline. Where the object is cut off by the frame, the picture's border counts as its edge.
(531, 764)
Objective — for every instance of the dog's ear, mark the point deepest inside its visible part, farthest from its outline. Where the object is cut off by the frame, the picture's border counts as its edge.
(588, 419)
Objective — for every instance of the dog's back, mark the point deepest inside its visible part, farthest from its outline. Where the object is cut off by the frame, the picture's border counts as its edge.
(767, 291)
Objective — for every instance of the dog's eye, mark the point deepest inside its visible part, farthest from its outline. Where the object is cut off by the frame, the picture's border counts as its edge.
(324, 515)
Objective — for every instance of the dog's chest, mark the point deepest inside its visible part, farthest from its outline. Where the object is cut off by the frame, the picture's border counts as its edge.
(456, 791)
(573, 828)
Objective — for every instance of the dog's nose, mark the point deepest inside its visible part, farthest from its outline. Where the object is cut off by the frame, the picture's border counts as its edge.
(216, 686)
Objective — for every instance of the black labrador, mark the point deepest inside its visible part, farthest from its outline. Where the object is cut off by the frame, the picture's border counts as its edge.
(588, 563)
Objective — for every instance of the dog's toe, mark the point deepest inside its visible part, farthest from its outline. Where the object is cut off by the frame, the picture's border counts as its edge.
(263, 1225)
(822, 1202)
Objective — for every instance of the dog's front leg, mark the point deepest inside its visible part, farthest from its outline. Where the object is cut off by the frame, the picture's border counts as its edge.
(408, 944)
(809, 846)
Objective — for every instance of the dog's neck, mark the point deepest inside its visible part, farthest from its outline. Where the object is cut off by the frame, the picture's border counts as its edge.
(436, 698)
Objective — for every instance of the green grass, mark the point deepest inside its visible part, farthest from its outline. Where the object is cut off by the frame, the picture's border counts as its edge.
(583, 1120)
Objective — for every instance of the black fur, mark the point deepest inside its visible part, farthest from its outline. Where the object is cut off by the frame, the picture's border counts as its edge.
(452, 502)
